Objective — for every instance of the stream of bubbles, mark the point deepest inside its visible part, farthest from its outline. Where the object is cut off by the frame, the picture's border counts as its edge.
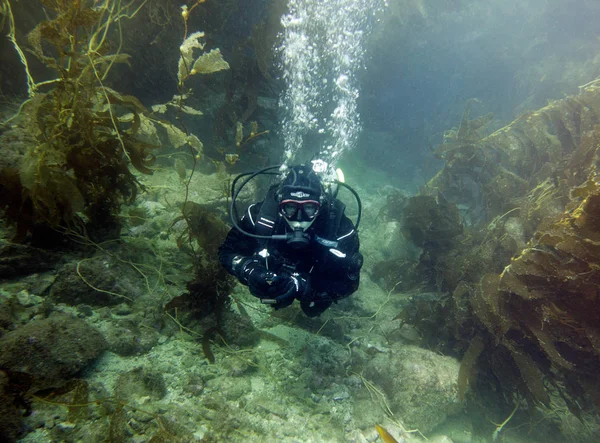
(322, 52)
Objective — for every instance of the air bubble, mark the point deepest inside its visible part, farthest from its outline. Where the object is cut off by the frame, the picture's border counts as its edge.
(321, 40)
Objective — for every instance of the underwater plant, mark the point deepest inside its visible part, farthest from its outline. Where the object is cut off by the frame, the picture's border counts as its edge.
(79, 161)
(462, 141)
(519, 286)
(86, 136)
(208, 292)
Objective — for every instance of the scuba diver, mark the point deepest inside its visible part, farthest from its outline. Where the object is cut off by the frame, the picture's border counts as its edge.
(296, 244)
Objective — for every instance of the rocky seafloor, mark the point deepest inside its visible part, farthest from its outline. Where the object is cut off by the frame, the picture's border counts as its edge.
(109, 364)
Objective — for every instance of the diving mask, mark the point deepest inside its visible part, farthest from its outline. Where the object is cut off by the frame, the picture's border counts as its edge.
(303, 210)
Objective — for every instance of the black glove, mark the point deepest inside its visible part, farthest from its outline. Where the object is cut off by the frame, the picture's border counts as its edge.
(290, 287)
(258, 278)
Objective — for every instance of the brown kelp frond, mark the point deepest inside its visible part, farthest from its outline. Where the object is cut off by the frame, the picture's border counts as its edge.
(83, 147)
(523, 273)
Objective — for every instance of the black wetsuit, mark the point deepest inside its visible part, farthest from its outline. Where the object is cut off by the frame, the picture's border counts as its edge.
(331, 261)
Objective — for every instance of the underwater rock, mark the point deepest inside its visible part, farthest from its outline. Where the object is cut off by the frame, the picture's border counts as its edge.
(384, 242)
(92, 282)
(22, 299)
(324, 359)
(51, 350)
(140, 383)
(6, 320)
(10, 409)
(195, 385)
(238, 329)
(28, 300)
(421, 389)
(17, 260)
(126, 339)
(238, 366)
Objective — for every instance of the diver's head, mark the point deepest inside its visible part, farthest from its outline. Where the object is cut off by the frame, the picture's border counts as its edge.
(301, 197)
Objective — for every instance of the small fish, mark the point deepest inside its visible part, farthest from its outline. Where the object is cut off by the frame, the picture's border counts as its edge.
(385, 435)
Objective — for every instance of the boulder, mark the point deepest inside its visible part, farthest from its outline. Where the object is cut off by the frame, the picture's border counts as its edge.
(51, 350)
(420, 385)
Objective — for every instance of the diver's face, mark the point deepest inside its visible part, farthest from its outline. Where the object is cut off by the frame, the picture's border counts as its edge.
(299, 214)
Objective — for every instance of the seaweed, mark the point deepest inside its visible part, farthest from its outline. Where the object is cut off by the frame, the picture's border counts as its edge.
(385, 273)
(524, 271)
(74, 394)
(208, 336)
(208, 292)
(462, 142)
(555, 287)
(80, 397)
(79, 163)
(468, 367)
(75, 397)
(431, 222)
(394, 206)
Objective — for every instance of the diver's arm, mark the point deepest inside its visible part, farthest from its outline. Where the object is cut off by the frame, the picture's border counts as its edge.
(237, 247)
(342, 265)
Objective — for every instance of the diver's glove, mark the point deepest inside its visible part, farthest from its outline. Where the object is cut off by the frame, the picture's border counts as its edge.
(258, 278)
(291, 287)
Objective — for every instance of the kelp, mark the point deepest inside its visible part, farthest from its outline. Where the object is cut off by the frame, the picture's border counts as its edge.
(468, 367)
(551, 292)
(208, 292)
(89, 137)
(80, 160)
(431, 221)
(524, 271)
(461, 142)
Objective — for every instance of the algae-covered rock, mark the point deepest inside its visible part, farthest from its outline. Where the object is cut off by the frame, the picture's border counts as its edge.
(125, 338)
(324, 363)
(239, 330)
(93, 282)
(51, 350)
(420, 385)
(140, 382)
(10, 410)
(17, 260)
(6, 320)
